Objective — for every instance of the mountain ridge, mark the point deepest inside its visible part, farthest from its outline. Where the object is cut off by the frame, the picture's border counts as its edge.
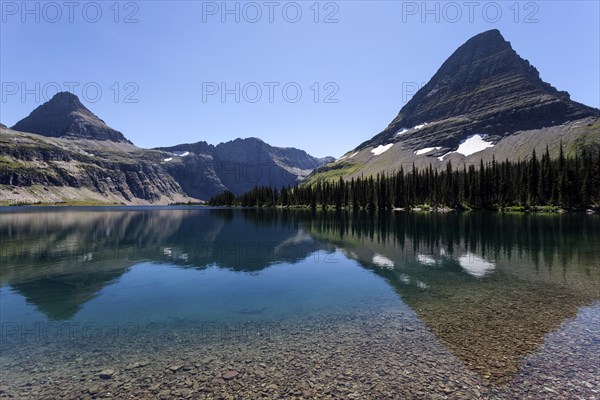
(483, 101)
(238, 165)
(65, 153)
(485, 63)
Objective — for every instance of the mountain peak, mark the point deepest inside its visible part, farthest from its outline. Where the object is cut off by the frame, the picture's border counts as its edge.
(65, 95)
(67, 100)
(488, 36)
(64, 115)
(483, 87)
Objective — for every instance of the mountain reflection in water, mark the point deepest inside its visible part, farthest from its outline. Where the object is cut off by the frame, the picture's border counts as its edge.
(489, 286)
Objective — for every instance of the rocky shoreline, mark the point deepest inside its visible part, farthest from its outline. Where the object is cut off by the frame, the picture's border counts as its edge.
(376, 354)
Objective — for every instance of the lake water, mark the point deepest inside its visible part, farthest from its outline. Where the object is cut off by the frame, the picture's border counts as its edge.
(216, 303)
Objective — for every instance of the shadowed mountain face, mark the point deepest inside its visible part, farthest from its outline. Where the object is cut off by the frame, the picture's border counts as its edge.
(65, 116)
(483, 87)
(238, 166)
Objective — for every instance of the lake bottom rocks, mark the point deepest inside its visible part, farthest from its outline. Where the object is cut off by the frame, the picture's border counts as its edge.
(367, 355)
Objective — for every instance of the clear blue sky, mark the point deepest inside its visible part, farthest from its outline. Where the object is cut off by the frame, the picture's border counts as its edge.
(177, 51)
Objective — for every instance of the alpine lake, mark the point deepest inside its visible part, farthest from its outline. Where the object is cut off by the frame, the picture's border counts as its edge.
(194, 302)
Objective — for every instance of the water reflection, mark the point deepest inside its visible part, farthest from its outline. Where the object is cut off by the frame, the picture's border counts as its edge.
(489, 286)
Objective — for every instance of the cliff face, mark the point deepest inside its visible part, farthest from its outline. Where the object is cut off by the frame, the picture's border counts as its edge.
(65, 116)
(34, 168)
(238, 166)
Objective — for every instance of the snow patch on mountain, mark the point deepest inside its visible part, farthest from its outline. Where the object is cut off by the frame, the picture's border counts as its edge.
(473, 144)
(470, 145)
(402, 131)
(381, 149)
(426, 150)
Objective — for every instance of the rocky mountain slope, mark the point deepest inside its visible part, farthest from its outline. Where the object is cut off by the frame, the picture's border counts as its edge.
(62, 152)
(484, 101)
(204, 170)
(35, 168)
(65, 116)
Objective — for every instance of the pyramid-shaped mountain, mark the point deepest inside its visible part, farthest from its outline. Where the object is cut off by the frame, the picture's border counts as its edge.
(483, 87)
(65, 116)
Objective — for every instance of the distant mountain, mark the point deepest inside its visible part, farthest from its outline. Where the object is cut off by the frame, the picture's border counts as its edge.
(62, 152)
(204, 170)
(65, 116)
(35, 168)
(484, 101)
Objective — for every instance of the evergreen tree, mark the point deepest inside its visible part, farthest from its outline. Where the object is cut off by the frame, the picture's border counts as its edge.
(568, 182)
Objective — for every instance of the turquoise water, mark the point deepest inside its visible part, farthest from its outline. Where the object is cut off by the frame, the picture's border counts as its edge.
(151, 291)
(490, 289)
(106, 267)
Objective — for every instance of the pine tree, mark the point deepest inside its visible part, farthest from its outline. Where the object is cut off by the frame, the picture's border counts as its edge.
(533, 182)
(569, 182)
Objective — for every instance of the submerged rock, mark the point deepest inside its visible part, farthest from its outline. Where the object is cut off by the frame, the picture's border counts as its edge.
(106, 374)
(230, 375)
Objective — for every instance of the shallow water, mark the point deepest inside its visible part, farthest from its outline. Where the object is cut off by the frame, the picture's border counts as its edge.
(298, 303)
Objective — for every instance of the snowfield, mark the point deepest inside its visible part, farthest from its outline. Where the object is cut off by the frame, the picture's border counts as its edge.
(470, 145)
(426, 150)
(346, 156)
(381, 149)
(473, 144)
(414, 128)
